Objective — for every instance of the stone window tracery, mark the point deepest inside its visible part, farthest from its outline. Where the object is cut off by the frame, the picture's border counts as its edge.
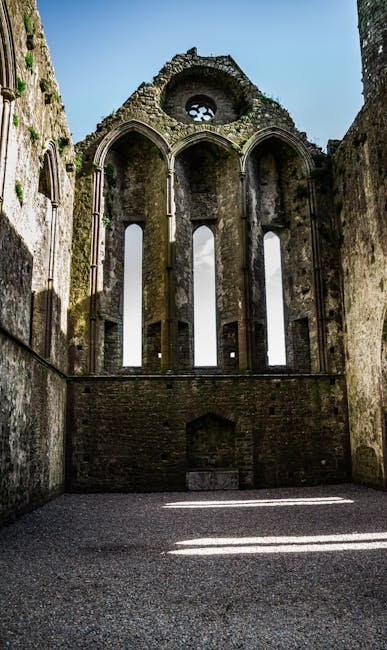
(201, 108)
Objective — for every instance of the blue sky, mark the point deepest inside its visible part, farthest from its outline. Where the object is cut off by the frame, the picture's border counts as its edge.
(303, 52)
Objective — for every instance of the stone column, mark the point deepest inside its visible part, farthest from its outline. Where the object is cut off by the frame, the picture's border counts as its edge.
(244, 329)
(8, 96)
(168, 340)
(94, 262)
(317, 280)
(50, 281)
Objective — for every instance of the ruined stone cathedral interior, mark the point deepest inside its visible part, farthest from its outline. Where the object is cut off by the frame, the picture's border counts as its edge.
(197, 164)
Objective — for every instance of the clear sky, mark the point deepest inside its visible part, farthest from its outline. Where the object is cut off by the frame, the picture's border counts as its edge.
(305, 53)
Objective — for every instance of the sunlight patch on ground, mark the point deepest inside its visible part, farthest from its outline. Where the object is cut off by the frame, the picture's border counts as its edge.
(297, 544)
(259, 503)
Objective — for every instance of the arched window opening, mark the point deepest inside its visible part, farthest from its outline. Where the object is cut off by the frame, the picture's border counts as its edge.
(45, 315)
(45, 178)
(132, 312)
(274, 300)
(205, 348)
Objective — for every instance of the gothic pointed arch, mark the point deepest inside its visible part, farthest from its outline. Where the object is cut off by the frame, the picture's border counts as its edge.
(284, 136)
(133, 125)
(49, 178)
(7, 86)
(281, 197)
(202, 136)
(7, 51)
(44, 305)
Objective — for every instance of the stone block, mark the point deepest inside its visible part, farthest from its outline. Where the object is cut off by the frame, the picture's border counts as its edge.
(213, 479)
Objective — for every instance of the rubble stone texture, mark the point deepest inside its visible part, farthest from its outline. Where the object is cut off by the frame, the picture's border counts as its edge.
(36, 197)
(244, 170)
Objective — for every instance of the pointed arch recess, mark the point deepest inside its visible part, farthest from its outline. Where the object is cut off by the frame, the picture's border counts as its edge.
(50, 167)
(202, 136)
(7, 89)
(98, 161)
(308, 164)
(123, 129)
(286, 137)
(50, 156)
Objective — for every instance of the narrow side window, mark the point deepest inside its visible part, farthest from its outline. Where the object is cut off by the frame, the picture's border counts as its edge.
(274, 300)
(132, 310)
(205, 348)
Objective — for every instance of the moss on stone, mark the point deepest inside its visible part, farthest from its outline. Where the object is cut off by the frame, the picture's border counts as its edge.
(19, 192)
(20, 87)
(33, 133)
(29, 59)
(63, 143)
(28, 24)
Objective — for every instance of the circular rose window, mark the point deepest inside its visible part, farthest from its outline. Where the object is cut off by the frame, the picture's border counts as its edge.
(201, 108)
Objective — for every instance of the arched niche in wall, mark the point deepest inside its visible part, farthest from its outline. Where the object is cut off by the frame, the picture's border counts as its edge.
(278, 201)
(45, 326)
(207, 193)
(210, 443)
(204, 94)
(134, 192)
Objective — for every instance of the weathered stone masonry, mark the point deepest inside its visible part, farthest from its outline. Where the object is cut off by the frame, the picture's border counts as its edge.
(288, 430)
(65, 397)
(36, 185)
(245, 173)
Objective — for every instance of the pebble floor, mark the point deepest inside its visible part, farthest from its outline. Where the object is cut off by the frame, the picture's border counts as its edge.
(290, 568)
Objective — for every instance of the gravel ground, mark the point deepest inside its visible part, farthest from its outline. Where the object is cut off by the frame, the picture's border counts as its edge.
(101, 571)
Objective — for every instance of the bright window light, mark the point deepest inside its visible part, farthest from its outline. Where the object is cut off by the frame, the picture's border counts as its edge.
(132, 316)
(205, 352)
(274, 300)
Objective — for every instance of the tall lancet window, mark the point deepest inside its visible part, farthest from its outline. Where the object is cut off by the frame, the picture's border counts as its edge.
(132, 313)
(205, 348)
(274, 300)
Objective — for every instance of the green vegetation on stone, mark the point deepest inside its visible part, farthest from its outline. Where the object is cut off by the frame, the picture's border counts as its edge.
(29, 59)
(268, 100)
(28, 24)
(20, 87)
(44, 85)
(15, 120)
(78, 162)
(109, 175)
(106, 220)
(19, 192)
(63, 143)
(33, 133)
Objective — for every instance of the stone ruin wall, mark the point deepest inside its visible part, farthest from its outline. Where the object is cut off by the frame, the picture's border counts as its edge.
(288, 430)
(137, 425)
(359, 167)
(32, 392)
